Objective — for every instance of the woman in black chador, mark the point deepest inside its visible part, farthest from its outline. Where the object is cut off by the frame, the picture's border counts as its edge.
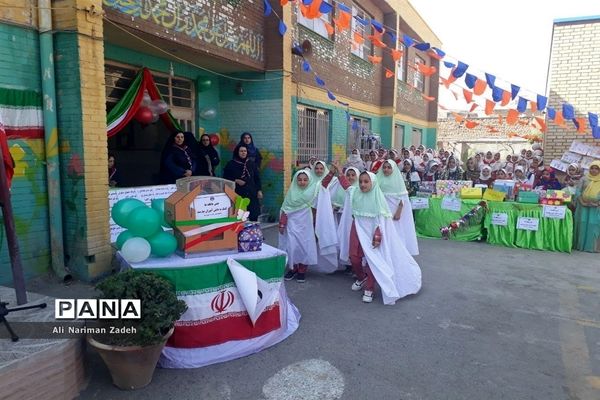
(178, 158)
(244, 173)
(208, 158)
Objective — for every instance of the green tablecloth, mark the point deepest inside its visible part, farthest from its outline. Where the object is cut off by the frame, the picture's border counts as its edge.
(429, 221)
(552, 234)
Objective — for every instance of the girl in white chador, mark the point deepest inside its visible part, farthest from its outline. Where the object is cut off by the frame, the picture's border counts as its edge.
(393, 187)
(372, 245)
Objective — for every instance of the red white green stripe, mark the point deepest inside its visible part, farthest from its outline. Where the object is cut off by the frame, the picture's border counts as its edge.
(216, 313)
(21, 114)
(126, 108)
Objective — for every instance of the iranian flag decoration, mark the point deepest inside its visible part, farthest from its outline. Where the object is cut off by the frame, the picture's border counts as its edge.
(143, 102)
(21, 114)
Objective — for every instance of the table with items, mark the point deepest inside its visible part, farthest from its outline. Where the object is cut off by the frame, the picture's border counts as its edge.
(530, 219)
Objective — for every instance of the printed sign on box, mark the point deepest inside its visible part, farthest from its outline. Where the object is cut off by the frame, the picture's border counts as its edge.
(209, 206)
(419, 203)
(500, 219)
(451, 203)
(555, 212)
(528, 224)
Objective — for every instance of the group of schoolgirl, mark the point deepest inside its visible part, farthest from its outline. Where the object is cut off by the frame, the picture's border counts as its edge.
(332, 218)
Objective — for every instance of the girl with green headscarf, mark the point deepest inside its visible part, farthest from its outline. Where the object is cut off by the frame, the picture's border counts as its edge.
(587, 213)
(296, 231)
(393, 187)
(370, 242)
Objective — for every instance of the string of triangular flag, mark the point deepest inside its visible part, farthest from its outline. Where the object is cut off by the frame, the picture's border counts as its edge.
(312, 9)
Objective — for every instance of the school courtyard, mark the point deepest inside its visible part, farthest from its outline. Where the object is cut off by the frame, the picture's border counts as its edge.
(489, 323)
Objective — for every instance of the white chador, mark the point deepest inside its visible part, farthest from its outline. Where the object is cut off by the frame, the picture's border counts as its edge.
(396, 272)
(394, 189)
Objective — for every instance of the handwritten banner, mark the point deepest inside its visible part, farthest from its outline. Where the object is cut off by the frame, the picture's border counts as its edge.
(528, 224)
(500, 219)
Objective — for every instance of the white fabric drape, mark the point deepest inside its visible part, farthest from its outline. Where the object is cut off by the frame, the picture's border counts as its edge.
(325, 229)
(298, 238)
(405, 226)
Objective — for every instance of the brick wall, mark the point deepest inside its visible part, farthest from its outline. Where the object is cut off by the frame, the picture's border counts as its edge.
(575, 79)
(19, 69)
(228, 30)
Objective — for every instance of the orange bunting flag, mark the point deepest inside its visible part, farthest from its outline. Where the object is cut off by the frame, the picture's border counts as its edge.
(283, 2)
(458, 118)
(473, 107)
(468, 95)
(358, 38)
(376, 42)
(434, 54)
(542, 124)
(471, 124)
(343, 22)
(328, 27)
(489, 107)
(559, 119)
(533, 106)
(479, 88)
(311, 11)
(374, 59)
(505, 98)
(428, 98)
(581, 125)
(388, 73)
(512, 117)
(396, 55)
(426, 69)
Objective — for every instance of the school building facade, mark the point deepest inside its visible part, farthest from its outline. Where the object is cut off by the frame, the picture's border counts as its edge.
(221, 66)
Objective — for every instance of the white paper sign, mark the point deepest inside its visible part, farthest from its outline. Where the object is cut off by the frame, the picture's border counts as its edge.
(209, 206)
(528, 224)
(580, 148)
(419, 203)
(570, 157)
(556, 212)
(594, 152)
(500, 219)
(143, 193)
(451, 203)
(559, 165)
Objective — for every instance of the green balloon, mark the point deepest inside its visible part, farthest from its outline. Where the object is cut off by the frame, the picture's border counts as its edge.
(123, 208)
(122, 238)
(163, 244)
(159, 205)
(143, 222)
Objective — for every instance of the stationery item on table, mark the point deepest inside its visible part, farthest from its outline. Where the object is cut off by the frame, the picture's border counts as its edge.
(250, 238)
(523, 187)
(505, 186)
(493, 195)
(448, 187)
(471, 193)
(427, 187)
(528, 197)
(556, 197)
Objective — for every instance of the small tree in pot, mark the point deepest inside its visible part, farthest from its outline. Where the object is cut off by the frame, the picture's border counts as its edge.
(131, 356)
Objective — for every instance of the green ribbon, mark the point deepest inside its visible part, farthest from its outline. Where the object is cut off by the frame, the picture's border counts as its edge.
(206, 221)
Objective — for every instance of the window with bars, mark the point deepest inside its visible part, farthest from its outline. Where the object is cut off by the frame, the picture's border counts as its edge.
(177, 92)
(365, 49)
(418, 78)
(401, 69)
(313, 133)
(316, 25)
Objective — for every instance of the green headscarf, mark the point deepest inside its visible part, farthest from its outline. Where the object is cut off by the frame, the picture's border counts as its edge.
(393, 184)
(316, 180)
(340, 194)
(296, 197)
(371, 203)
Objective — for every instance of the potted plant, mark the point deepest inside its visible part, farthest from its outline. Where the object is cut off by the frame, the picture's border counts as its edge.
(131, 354)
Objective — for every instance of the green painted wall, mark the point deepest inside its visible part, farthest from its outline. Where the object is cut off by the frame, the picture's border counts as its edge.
(20, 69)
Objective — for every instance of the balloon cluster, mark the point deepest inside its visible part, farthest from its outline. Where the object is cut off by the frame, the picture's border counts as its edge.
(144, 234)
(474, 215)
(150, 110)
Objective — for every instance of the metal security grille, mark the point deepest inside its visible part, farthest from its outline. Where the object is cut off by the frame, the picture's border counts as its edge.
(313, 134)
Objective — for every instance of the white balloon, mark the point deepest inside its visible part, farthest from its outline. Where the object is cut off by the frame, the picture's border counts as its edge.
(208, 113)
(146, 100)
(136, 250)
(159, 106)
